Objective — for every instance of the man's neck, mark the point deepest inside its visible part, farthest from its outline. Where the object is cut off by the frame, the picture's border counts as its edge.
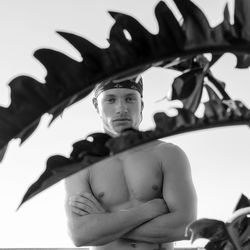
(110, 133)
(113, 134)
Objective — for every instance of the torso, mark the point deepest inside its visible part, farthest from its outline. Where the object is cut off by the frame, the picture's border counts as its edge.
(125, 180)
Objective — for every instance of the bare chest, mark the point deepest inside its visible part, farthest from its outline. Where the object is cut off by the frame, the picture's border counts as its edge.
(126, 179)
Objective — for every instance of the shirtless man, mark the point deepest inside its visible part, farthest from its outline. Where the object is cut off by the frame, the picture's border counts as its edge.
(141, 199)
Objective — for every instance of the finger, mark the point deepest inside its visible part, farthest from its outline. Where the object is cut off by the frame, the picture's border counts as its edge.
(78, 211)
(83, 200)
(80, 205)
(91, 198)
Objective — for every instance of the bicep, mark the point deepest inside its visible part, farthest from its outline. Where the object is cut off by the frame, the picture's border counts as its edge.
(178, 188)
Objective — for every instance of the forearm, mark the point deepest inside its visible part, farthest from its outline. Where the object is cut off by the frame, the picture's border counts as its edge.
(100, 229)
(164, 228)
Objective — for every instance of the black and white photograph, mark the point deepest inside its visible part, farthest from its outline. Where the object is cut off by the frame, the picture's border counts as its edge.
(125, 124)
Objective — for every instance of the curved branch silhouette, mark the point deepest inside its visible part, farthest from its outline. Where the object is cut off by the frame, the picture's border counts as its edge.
(176, 46)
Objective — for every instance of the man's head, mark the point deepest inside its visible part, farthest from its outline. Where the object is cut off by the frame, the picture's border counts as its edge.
(119, 105)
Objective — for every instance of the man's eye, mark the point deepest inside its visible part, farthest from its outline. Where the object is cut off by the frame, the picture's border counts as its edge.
(110, 100)
(130, 99)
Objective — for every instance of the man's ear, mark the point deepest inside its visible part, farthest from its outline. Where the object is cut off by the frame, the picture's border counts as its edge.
(95, 103)
(142, 105)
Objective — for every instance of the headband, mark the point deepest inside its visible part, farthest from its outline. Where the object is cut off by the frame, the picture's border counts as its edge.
(135, 84)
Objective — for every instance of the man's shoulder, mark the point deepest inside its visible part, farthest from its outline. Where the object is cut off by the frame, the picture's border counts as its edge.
(78, 178)
(162, 146)
(170, 154)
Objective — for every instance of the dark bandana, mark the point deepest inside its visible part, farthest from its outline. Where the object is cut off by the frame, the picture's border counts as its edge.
(135, 84)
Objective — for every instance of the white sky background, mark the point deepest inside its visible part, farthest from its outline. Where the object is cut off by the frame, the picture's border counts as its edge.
(219, 157)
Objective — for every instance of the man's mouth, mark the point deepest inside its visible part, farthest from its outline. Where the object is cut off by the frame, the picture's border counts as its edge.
(122, 120)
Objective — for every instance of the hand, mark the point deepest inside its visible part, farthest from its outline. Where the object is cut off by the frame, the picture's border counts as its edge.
(85, 203)
(157, 206)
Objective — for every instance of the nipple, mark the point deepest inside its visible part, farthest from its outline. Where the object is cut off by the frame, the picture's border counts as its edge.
(100, 195)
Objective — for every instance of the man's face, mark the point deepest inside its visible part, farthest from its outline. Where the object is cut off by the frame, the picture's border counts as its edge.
(119, 108)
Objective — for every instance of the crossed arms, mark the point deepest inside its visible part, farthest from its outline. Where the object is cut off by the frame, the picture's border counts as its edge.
(153, 221)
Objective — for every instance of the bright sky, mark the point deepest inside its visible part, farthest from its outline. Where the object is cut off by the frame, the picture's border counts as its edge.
(219, 157)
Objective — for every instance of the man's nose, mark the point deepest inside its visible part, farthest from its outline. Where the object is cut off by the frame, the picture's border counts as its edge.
(121, 107)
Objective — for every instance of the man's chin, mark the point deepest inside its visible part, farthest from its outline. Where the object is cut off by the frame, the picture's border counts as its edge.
(119, 129)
